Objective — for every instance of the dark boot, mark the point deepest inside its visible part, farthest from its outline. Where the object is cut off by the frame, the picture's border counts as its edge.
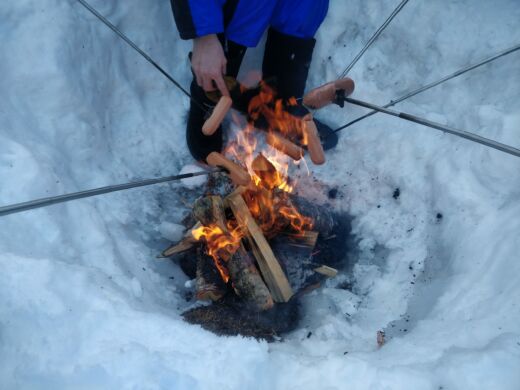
(200, 145)
(285, 68)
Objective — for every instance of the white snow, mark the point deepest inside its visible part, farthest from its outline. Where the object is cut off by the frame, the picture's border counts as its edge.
(84, 303)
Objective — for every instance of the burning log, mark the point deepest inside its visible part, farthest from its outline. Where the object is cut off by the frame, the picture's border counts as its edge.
(209, 283)
(238, 265)
(210, 211)
(270, 267)
(247, 282)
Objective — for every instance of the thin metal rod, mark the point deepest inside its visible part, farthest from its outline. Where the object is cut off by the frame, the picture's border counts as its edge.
(374, 37)
(438, 126)
(44, 202)
(434, 84)
(105, 21)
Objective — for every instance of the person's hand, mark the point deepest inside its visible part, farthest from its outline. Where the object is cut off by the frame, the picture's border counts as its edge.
(209, 63)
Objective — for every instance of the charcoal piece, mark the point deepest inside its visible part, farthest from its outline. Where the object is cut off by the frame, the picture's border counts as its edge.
(231, 317)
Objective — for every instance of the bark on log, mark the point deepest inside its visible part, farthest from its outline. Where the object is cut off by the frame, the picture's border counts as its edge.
(210, 211)
(247, 282)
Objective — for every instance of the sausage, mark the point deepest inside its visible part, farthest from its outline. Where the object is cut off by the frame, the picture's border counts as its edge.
(285, 146)
(238, 175)
(217, 116)
(313, 142)
(326, 94)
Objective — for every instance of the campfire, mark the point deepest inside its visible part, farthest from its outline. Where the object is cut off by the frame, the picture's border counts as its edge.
(255, 248)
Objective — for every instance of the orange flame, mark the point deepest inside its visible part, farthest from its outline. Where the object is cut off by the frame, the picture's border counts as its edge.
(267, 197)
(220, 245)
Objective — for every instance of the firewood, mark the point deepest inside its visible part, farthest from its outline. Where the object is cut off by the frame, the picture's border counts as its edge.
(184, 245)
(269, 265)
(327, 271)
(243, 273)
(187, 242)
(209, 283)
(247, 282)
(305, 239)
(210, 211)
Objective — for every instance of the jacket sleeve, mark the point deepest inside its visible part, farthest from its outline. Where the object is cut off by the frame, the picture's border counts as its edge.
(195, 18)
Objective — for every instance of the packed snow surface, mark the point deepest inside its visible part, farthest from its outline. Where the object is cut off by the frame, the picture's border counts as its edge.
(84, 303)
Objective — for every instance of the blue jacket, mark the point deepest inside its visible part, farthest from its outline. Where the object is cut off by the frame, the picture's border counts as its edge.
(244, 21)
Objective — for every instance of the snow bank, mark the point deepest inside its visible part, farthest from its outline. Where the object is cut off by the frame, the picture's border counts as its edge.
(85, 304)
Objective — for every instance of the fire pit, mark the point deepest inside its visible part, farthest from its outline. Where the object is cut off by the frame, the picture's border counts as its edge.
(255, 244)
(255, 251)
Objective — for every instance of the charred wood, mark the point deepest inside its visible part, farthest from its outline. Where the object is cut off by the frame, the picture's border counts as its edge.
(209, 283)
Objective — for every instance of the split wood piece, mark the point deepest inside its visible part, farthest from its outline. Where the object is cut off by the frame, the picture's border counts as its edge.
(187, 242)
(326, 94)
(209, 283)
(285, 146)
(269, 265)
(210, 211)
(238, 174)
(313, 141)
(266, 171)
(307, 239)
(247, 282)
(217, 116)
(327, 271)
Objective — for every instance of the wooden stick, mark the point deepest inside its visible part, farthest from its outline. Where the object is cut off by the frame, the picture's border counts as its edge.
(314, 144)
(217, 116)
(284, 145)
(327, 271)
(269, 266)
(187, 242)
(238, 174)
(306, 239)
